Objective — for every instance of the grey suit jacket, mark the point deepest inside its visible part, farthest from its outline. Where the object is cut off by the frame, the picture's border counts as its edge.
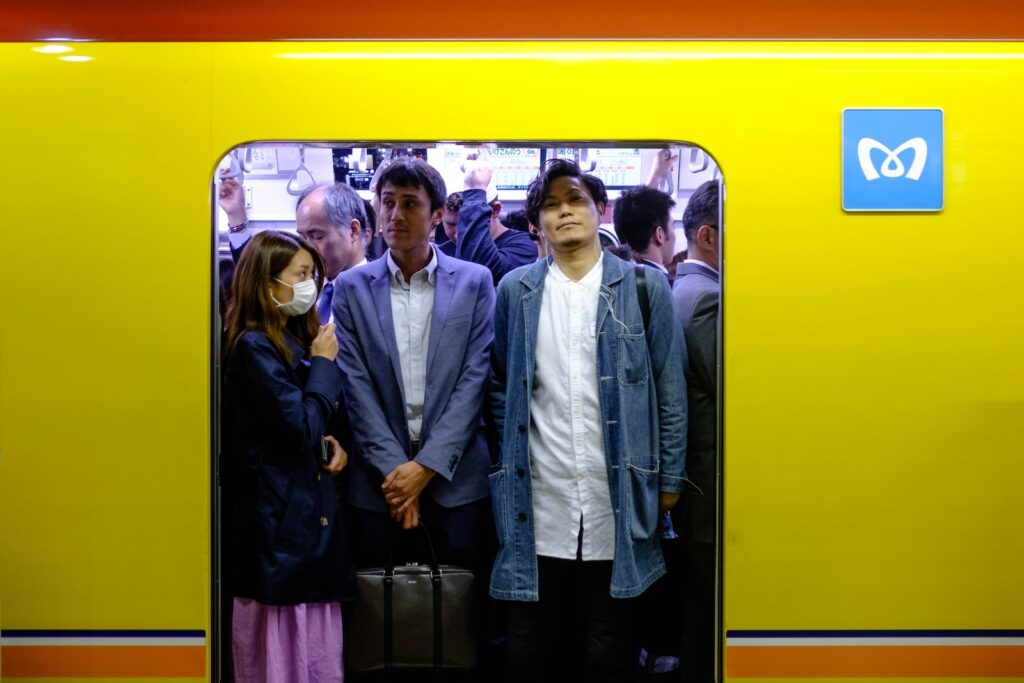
(695, 295)
(452, 439)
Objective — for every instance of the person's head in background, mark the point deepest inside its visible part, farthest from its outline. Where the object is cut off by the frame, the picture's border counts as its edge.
(701, 221)
(333, 219)
(517, 220)
(374, 242)
(643, 220)
(450, 217)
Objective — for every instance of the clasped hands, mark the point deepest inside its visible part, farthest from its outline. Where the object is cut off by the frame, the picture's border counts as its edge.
(402, 488)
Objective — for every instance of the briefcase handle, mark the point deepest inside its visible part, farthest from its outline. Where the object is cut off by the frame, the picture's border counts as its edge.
(389, 565)
(438, 602)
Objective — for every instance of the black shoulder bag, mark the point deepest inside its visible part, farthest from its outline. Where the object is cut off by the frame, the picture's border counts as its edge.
(641, 294)
(413, 616)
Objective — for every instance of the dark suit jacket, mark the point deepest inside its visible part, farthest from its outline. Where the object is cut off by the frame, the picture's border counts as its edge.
(452, 439)
(695, 295)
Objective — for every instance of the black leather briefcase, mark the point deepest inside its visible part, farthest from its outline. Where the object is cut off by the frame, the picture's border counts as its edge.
(413, 616)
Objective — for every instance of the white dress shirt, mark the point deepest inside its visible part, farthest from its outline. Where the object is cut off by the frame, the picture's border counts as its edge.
(412, 307)
(567, 458)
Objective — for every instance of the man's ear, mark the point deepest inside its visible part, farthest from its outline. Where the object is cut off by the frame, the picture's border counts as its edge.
(495, 208)
(355, 229)
(704, 234)
(437, 216)
(659, 237)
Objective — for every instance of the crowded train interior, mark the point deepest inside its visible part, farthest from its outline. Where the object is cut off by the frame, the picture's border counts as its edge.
(276, 173)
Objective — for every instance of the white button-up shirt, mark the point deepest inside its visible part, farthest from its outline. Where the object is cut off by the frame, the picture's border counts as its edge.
(567, 458)
(412, 307)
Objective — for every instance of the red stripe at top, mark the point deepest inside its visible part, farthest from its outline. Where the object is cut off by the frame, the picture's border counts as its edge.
(259, 20)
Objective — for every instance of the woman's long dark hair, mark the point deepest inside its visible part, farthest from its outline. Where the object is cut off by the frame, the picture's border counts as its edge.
(251, 308)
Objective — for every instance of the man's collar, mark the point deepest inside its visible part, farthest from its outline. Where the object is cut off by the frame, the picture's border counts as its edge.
(656, 265)
(431, 267)
(594, 273)
(699, 262)
(696, 266)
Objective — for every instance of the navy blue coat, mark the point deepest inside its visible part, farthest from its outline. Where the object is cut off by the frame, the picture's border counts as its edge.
(285, 538)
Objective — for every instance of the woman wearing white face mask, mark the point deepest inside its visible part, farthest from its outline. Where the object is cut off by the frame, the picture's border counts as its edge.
(286, 556)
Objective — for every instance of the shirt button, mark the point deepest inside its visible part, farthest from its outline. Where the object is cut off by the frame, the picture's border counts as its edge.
(521, 429)
(520, 472)
(323, 521)
(524, 383)
(522, 516)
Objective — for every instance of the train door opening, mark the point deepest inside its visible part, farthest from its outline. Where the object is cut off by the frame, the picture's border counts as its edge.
(652, 188)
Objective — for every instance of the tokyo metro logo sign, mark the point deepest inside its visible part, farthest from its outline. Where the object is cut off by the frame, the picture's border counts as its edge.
(892, 166)
(892, 160)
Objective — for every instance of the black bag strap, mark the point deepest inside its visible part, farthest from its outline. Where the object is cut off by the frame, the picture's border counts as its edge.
(389, 626)
(641, 294)
(435, 579)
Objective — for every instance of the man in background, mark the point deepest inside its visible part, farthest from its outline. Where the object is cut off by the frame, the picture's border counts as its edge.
(643, 220)
(450, 223)
(332, 218)
(481, 237)
(696, 296)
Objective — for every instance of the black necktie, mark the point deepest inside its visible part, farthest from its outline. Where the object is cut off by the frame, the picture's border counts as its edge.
(324, 307)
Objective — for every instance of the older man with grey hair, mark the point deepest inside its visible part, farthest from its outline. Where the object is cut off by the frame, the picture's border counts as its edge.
(332, 218)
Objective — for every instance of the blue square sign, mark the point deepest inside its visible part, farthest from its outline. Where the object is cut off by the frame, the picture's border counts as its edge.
(892, 160)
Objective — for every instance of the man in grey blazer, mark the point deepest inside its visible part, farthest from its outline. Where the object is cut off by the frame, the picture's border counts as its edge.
(415, 331)
(696, 295)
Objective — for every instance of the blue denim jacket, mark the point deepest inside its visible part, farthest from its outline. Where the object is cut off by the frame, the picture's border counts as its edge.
(643, 406)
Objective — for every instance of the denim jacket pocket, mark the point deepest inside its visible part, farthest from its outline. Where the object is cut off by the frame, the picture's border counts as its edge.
(499, 505)
(643, 491)
(633, 359)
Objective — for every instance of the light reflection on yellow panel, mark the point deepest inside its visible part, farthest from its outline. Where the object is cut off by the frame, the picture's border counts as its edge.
(874, 384)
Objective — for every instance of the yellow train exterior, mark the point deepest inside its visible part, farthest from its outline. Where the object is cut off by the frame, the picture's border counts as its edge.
(873, 412)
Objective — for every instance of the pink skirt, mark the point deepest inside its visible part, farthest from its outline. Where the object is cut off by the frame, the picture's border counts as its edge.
(290, 644)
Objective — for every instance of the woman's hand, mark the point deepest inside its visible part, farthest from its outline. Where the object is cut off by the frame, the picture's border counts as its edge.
(339, 457)
(325, 344)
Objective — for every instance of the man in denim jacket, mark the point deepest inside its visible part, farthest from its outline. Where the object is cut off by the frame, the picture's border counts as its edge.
(590, 410)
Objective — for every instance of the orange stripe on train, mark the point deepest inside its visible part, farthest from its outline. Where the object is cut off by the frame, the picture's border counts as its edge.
(942, 661)
(103, 661)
